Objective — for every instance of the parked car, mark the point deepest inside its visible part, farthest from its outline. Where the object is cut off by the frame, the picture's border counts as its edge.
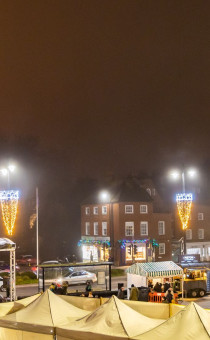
(26, 260)
(4, 266)
(51, 262)
(78, 277)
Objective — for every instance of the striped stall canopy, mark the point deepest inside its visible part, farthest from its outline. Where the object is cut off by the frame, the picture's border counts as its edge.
(155, 269)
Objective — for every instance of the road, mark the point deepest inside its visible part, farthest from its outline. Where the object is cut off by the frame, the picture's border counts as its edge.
(27, 290)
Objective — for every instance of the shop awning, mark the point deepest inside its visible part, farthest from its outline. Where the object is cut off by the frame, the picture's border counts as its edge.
(155, 269)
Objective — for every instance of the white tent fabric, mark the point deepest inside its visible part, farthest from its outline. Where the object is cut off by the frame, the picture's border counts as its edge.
(41, 316)
(11, 307)
(191, 323)
(112, 319)
(155, 269)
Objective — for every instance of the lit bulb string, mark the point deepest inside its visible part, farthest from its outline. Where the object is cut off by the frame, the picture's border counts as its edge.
(184, 206)
(93, 242)
(123, 243)
(9, 205)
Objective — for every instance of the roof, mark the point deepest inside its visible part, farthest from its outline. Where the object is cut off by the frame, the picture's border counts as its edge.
(110, 320)
(128, 190)
(5, 244)
(155, 269)
(192, 322)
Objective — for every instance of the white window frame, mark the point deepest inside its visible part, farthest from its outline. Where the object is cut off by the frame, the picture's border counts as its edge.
(161, 224)
(95, 228)
(104, 228)
(162, 248)
(87, 228)
(87, 210)
(153, 191)
(189, 234)
(200, 216)
(143, 209)
(144, 224)
(95, 210)
(104, 209)
(129, 209)
(201, 234)
(129, 228)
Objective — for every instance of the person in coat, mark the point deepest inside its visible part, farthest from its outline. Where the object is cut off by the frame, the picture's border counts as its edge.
(134, 295)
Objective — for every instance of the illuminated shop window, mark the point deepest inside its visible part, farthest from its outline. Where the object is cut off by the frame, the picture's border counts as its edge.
(87, 251)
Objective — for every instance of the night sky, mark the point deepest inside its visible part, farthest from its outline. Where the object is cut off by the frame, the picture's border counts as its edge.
(98, 88)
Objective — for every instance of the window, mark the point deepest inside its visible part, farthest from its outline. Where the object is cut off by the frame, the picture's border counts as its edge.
(129, 209)
(200, 217)
(161, 227)
(201, 234)
(149, 191)
(153, 191)
(87, 211)
(161, 248)
(87, 228)
(129, 228)
(95, 225)
(143, 209)
(189, 234)
(95, 210)
(144, 228)
(104, 210)
(104, 228)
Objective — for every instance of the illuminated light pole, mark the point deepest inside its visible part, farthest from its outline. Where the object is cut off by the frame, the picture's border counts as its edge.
(105, 197)
(184, 200)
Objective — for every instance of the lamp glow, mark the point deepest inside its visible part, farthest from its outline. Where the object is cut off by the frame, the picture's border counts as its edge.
(9, 205)
(184, 205)
(4, 172)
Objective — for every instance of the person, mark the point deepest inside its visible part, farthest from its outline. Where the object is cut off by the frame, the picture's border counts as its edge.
(121, 293)
(88, 286)
(90, 294)
(157, 287)
(169, 296)
(166, 286)
(6, 285)
(64, 287)
(134, 295)
(52, 287)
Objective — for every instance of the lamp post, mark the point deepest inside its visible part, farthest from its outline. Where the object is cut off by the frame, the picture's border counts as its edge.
(105, 197)
(184, 200)
(6, 172)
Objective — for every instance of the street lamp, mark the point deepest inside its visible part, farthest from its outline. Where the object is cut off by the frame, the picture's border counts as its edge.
(6, 172)
(105, 197)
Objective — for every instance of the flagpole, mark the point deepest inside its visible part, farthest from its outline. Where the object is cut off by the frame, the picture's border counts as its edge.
(37, 232)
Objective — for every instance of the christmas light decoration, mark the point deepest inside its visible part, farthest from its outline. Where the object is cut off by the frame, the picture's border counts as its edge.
(93, 242)
(9, 205)
(184, 205)
(153, 242)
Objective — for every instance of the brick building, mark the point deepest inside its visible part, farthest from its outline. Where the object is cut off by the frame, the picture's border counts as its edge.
(197, 236)
(124, 225)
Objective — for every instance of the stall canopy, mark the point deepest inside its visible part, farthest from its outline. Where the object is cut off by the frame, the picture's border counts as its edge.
(192, 322)
(155, 269)
(14, 306)
(42, 316)
(6, 244)
(112, 319)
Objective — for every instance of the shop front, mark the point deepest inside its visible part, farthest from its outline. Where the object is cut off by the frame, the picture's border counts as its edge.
(95, 250)
(138, 250)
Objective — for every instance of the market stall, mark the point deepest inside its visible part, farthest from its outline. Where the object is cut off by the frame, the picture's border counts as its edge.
(152, 274)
